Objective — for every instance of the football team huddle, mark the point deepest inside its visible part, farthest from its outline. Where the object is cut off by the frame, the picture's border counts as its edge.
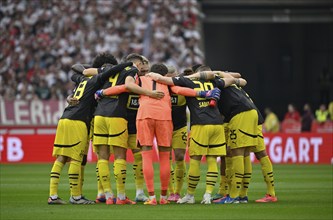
(132, 105)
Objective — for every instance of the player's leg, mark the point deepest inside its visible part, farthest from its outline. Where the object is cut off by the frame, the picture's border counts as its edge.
(120, 174)
(224, 169)
(193, 179)
(223, 181)
(211, 178)
(216, 146)
(138, 175)
(267, 171)
(247, 177)
(171, 188)
(163, 133)
(55, 179)
(104, 172)
(80, 136)
(179, 144)
(242, 136)
(103, 150)
(148, 173)
(164, 155)
(145, 136)
(100, 191)
(180, 171)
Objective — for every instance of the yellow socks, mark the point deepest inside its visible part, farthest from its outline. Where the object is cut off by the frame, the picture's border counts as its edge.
(180, 175)
(171, 188)
(104, 175)
(247, 176)
(138, 174)
(193, 176)
(238, 169)
(267, 171)
(100, 190)
(228, 172)
(212, 174)
(74, 174)
(120, 176)
(55, 177)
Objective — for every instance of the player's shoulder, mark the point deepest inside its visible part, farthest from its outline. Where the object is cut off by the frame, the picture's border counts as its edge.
(130, 69)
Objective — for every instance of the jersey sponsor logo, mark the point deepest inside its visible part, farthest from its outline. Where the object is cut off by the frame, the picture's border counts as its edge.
(203, 104)
(133, 102)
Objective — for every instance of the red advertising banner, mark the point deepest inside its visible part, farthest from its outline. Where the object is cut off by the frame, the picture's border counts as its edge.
(27, 131)
(35, 146)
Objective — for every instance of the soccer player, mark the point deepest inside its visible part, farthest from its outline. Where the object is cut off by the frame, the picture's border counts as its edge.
(110, 129)
(179, 141)
(72, 135)
(154, 119)
(259, 150)
(266, 168)
(132, 108)
(242, 118)
(207, 133)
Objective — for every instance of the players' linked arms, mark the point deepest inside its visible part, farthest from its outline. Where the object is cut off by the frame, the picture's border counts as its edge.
(161, 79)
(72, 101)
(115, 90)
(226, 74)
(90, 72)
(133, 87)
(237, 81)
(156, 94)
(204, 75)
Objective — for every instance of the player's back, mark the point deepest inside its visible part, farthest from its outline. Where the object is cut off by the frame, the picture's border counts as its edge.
(234, 101)
(115, 106)
(201, 112)
(84, 92)
(159, 109)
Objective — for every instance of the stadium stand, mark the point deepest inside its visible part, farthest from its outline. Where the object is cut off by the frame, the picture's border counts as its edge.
(40, 40)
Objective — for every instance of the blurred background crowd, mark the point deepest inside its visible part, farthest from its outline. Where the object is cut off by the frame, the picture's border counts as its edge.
(40, 40)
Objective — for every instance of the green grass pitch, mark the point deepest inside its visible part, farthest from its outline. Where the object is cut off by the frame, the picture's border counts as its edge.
(304, 192)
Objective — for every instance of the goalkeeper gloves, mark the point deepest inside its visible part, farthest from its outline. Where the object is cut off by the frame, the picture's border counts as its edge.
(99, 94)
(211, 94)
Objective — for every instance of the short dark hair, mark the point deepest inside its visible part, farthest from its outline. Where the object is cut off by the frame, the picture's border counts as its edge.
(104, 58)
(203, 68)
(187, 72)
(159, 68)
(195, 67)
(134, 57)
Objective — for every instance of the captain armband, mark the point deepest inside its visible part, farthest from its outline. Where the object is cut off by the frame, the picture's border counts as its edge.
(203, 75)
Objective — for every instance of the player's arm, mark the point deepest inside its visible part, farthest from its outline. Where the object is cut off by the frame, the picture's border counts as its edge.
(71, 100)
(209, 75)
(210, 94)
(130, 85)
(113, 70)
(161, 79)
(226, 74)
(90, 72)
(113, 90)
(225, 82)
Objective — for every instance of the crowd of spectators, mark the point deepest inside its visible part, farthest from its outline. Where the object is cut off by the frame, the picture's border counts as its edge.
(295, 121)
(40, 40)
